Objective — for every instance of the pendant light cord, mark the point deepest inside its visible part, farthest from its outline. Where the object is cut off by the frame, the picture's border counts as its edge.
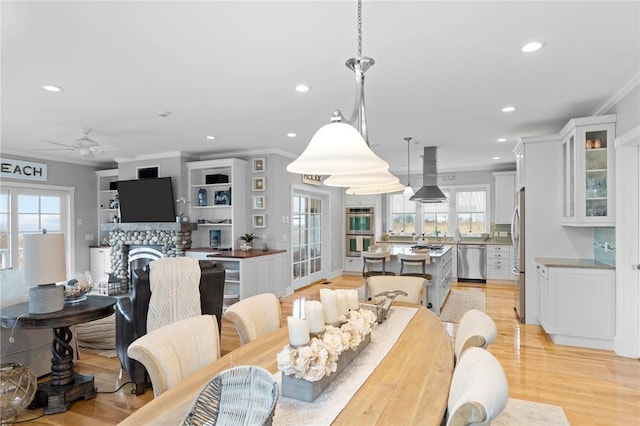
(408, 139)
(359, 29)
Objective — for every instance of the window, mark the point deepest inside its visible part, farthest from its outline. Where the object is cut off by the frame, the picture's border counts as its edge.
(436, 216)
(471, 211)
(28, 210)
(403, 214)
(466, 208)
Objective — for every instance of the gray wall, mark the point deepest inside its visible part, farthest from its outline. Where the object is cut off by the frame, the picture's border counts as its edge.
(84, 180)
(628, 112)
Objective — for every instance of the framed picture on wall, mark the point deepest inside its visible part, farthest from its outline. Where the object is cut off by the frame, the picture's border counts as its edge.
(259, 221)
(259, 184)
(259, 202)
(259, 165)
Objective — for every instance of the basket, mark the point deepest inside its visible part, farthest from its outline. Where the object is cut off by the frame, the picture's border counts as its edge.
(245, 395)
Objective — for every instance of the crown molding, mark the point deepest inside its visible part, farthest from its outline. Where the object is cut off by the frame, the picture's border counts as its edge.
(632, 82)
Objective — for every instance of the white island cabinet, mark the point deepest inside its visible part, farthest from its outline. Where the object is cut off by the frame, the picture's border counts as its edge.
(577, 301)
(248, 273)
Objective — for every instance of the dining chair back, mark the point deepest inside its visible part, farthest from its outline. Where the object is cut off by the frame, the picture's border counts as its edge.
(415, 287)
(255, 316)
(476, 328)
(172, 352)
(479, 389)
(245, 395)
(375, 263)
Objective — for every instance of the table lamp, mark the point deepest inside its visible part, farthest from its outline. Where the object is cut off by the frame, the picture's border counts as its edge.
(43, 260)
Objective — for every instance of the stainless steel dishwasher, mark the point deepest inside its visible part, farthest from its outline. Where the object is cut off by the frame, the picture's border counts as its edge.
(472, 263)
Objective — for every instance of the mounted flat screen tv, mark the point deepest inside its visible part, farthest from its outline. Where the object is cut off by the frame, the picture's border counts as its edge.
(146, 200)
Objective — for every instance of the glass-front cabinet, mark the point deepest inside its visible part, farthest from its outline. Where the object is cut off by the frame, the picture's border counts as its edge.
(588, 171)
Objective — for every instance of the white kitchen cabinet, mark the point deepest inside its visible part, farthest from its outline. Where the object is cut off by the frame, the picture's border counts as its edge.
(577, 305)
(498, 262)
(225, 209)
(440, 270)
(588, 159)
(504, 186)
(108, 203)
(100, 258)
(361, 200)
(352, 266)
(519, 153)
(248, 276)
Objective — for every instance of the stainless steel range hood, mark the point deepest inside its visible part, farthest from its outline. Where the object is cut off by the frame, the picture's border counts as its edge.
(429, 193)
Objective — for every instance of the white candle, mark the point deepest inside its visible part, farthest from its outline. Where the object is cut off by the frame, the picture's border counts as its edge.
(352, 299)
(298, 331)
(314, 315)
(341, 301)
(329, 305)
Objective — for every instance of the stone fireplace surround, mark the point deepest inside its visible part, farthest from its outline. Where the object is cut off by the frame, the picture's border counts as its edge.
(170, 238)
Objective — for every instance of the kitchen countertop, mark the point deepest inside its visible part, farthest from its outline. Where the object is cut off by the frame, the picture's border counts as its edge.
(395, 250)
(494, 240)
(562, 262)
(236, 254)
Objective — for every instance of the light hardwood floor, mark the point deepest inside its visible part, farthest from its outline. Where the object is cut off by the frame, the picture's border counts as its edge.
(593, 387)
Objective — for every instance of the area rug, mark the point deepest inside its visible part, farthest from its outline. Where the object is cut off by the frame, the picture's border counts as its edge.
(519, 412)
(460, 302)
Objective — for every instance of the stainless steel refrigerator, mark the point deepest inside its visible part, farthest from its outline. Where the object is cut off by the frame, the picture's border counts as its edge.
(517, 239)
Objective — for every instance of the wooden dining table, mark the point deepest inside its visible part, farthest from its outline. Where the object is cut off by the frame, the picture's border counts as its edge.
(410, 386)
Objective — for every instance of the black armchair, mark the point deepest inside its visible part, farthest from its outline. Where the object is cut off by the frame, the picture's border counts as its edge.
(131, 313)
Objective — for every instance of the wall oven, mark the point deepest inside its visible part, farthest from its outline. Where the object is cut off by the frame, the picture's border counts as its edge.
(359, 230)
(358, 243)
(360, 220)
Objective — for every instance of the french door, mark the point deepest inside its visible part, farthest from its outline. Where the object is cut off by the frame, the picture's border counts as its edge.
(309, 216)
(31, 209)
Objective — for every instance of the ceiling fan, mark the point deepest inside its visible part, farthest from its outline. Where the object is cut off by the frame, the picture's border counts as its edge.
(85, 145)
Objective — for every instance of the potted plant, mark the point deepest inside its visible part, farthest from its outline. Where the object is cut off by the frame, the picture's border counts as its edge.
(247, 238)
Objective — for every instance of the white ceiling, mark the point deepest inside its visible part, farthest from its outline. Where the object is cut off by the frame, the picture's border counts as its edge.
(443, 72)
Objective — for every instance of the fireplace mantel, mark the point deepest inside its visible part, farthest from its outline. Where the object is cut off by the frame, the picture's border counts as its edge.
(149, 226)
(170, 238)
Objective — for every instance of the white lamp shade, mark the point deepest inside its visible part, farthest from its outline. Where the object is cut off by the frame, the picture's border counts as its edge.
(408, 190)
(43, 258)
(337, 148)
(375, 189)
(382, 177)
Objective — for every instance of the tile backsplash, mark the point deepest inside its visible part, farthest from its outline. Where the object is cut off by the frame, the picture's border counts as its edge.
(604, 245)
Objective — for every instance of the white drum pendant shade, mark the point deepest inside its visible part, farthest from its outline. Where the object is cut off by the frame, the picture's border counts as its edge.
(375, 189)
(383, 177)
(337, 148)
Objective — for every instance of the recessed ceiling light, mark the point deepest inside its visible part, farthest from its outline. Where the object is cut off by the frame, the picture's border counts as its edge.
(496, 158)
(52, 88)
(531, 47)
(502, 140)
(291, 135)
(210, 137)
(508, 108)
(302, 88)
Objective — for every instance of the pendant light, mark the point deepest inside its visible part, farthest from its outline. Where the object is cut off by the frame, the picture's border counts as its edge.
(342, 148)
(408, 190)
(375, 189)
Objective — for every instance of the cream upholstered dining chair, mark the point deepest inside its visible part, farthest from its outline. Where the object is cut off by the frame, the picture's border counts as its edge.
(244, 395)
(172, 352)
(415, 287)
(476, 328)
(479, 389)
(254, 316)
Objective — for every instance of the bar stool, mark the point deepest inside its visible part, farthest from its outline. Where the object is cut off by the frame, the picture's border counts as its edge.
(413, 260)
(369, 259)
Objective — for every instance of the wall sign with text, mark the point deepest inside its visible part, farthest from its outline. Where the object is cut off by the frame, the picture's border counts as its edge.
(312, 179)
(26, 170)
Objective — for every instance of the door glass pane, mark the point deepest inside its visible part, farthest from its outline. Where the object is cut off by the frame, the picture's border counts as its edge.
(306, 236)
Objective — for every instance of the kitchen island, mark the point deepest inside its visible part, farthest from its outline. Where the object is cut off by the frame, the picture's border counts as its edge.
(440, 268)
(250, 272)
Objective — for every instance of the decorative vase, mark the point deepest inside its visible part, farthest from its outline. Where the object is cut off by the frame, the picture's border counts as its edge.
(245, 246)
(202, 197)
(17, 388)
